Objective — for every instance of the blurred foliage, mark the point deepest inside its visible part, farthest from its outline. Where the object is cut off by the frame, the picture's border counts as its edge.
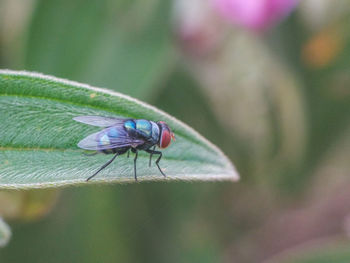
(27, 205)
(323, 251)
(321, 58)
(277, 103)
(5, 233)
(102, 43)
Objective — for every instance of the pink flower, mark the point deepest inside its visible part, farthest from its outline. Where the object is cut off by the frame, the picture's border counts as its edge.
(255, 14)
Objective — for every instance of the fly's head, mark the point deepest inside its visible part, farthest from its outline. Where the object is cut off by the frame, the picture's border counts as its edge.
(166, 135)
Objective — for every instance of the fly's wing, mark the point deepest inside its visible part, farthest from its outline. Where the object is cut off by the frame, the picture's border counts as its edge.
(100, 121)
(102, 141)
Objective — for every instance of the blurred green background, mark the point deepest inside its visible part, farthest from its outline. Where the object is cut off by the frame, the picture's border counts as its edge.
(276, 102)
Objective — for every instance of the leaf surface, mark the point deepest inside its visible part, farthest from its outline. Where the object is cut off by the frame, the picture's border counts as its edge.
(38, 137)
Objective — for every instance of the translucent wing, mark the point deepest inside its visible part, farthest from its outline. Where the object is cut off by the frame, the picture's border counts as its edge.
(99, 120)
(110, 138)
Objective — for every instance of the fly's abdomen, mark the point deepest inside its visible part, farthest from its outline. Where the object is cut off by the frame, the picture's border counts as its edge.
(103, 140)
(113, 132)
(104, 137)
(106, 141)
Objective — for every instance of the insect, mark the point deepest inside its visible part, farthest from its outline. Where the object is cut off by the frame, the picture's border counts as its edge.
(122, 135)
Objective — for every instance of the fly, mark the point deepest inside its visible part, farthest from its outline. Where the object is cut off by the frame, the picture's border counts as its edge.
(120, 135)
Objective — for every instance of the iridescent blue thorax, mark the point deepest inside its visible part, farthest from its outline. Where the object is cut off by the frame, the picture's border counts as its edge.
(148, 130)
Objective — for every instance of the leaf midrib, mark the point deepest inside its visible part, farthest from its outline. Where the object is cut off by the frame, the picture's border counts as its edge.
(141, 154)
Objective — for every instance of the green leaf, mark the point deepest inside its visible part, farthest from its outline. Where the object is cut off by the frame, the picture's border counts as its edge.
(124, 45)
(38, 138)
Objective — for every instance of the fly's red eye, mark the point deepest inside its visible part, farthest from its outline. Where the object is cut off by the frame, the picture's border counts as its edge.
(165, 139)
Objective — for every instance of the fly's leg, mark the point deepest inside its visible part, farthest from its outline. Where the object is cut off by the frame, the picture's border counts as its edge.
(150, 157)
(135, 165)
(157, 162)
(103, 166)
(128, 152)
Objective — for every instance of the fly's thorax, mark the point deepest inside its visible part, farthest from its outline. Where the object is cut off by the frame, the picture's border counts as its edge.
(146, 129)
(144, 126)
